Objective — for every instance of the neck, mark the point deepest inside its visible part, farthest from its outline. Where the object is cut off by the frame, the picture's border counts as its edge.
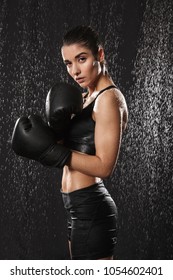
(102, 82)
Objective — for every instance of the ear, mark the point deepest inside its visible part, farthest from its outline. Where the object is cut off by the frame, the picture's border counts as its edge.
(101, 55)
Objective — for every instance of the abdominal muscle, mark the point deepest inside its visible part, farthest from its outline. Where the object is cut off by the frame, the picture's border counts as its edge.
(73, 180)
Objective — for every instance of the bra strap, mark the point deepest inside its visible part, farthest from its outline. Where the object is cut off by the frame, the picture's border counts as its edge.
(109, 87)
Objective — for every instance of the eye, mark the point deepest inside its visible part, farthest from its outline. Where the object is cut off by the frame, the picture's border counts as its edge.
(67, 63)
(82, 59)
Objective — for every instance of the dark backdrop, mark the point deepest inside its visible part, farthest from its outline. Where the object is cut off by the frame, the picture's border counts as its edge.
(138, 44)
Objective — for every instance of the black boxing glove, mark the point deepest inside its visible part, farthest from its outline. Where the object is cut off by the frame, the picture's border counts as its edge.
(63, 100)
(34, 139)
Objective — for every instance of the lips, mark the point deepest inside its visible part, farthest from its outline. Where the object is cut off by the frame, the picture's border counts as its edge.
(80, 80)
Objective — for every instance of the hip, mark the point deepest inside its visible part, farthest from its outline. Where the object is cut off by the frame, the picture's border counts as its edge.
(92, 201)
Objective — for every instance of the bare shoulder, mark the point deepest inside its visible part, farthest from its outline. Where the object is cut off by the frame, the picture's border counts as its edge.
(113, 100)
(114, 97)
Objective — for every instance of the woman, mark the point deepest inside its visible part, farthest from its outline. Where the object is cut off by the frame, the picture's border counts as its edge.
(95, 138)
(91, 145)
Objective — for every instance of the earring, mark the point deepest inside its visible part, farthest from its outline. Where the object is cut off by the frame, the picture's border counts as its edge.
(104, 67)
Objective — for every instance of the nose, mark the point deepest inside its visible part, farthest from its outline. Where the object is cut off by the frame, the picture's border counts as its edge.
(75, 70)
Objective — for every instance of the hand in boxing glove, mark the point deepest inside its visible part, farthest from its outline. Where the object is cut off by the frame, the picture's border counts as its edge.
(34, 139)
(63, 100)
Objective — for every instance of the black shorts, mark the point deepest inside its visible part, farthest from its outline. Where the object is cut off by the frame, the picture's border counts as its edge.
(92, 222)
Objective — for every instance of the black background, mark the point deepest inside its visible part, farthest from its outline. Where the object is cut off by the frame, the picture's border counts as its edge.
(139, 47)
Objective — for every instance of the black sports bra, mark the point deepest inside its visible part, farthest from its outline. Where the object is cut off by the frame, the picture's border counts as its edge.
(80, 135)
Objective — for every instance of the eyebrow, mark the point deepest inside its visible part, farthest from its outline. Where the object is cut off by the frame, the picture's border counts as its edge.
(80, 54)
(77, 56)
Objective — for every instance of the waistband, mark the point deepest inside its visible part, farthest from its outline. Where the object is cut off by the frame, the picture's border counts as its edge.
(90, 193)
(85, 189)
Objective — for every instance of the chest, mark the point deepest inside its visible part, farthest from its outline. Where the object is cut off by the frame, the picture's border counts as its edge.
(83, 123)
(80, 135)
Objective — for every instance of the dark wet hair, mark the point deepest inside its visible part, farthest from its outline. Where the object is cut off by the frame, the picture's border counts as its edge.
(84, 35)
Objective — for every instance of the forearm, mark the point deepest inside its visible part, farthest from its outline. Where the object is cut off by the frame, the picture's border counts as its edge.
(90, 165)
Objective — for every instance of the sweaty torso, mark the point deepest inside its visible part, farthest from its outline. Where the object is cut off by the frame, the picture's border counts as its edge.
(80, 138)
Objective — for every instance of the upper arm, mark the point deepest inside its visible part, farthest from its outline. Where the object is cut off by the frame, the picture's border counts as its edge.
(108, 116)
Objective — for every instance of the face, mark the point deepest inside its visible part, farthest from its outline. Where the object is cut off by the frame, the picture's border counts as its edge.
(81, 64)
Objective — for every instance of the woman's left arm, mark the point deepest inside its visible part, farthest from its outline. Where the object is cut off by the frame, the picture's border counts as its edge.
(108, 115)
